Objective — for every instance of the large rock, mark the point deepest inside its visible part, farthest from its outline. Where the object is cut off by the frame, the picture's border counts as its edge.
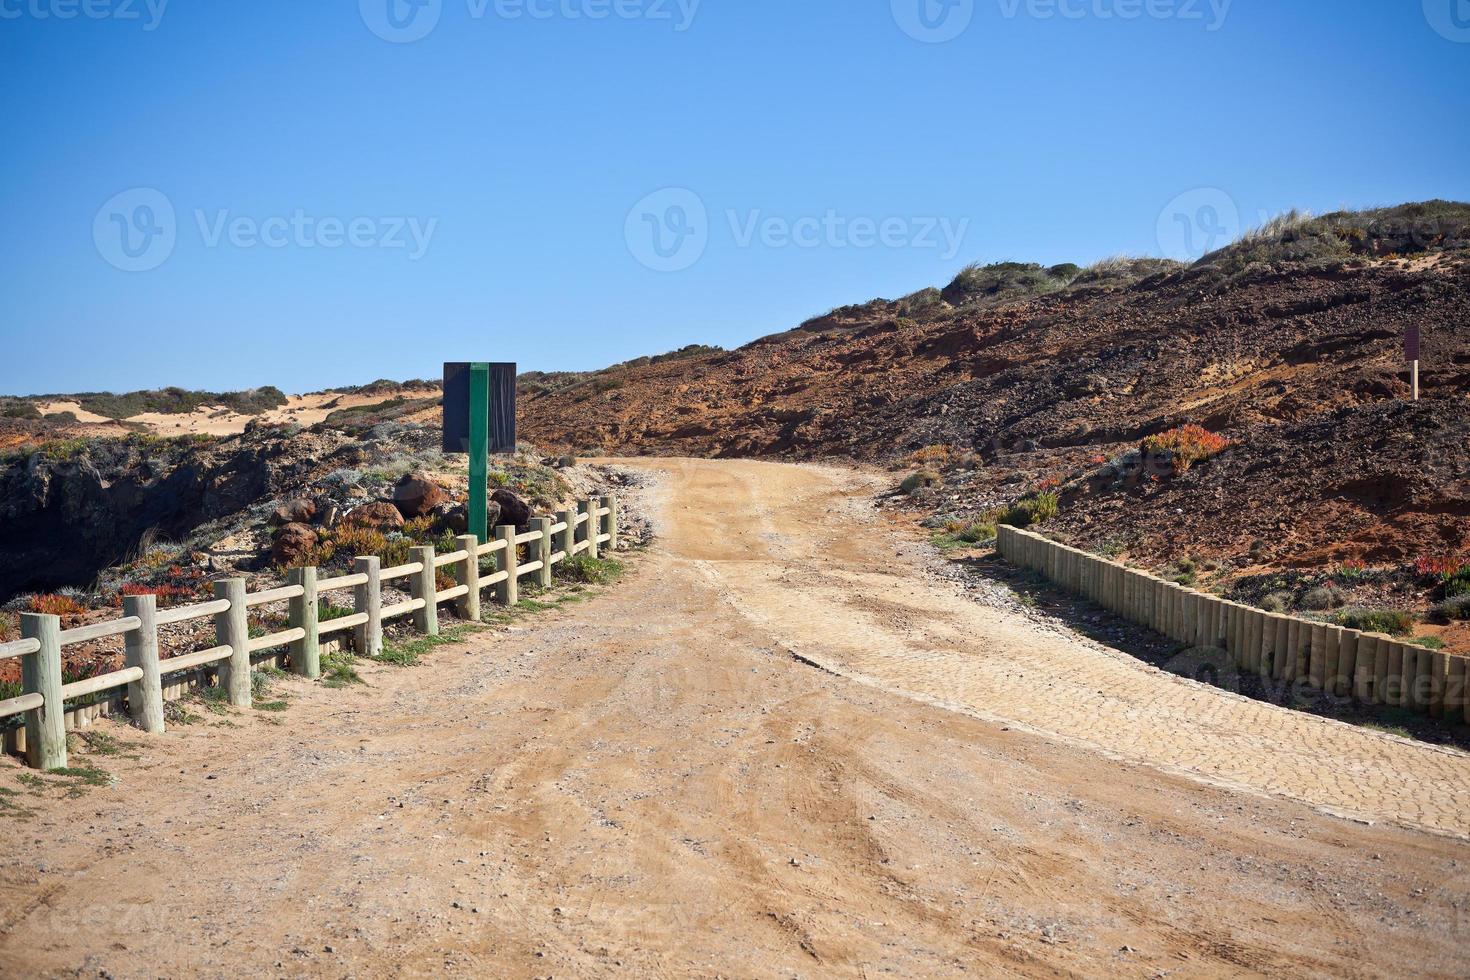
(380, 516)
(300, 510)
(513, 508)
(416, 495)
(292, 545)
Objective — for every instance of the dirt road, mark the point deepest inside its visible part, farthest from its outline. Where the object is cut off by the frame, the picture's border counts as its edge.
(651, 783)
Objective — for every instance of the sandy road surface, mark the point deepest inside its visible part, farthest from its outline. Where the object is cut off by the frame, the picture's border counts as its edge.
(649, 783)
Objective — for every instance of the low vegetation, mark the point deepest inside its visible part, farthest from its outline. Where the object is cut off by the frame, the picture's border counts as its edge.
(1394, 622)
(177, 401)
(1185, 446)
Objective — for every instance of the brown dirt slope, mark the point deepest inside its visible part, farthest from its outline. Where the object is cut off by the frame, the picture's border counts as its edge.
(1290, 343)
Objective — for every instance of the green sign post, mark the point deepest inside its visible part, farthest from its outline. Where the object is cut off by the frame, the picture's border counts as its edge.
(479, 419)
(479, 450)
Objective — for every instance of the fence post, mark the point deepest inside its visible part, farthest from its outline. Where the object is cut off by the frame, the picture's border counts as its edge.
(368, 598)
(40, 673)
(140, 649)
(301, 613)
(543, 550)
(568, 534)
(423, 584)
(589, 507)
(610, 521)
(507, 591)
(232, 629)
(467, 573)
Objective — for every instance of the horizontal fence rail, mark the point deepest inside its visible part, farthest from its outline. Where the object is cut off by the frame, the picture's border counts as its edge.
(147, 678)
(1370, 668)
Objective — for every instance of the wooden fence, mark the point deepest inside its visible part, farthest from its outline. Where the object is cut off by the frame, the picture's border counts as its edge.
(1369, 668)
(142, 685)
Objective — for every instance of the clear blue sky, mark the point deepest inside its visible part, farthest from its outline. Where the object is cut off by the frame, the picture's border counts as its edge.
(520, 145)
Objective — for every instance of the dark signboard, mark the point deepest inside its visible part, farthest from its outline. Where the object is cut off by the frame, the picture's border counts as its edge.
(500, 406)
(1411, 343)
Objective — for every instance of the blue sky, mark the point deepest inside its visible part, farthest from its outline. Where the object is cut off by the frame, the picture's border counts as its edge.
(570, 183)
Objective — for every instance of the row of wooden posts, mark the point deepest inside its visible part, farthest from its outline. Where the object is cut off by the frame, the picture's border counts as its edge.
(1370, 668)
(589, 527)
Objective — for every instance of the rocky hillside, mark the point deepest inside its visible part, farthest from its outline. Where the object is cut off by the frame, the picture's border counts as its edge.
(1016, 380)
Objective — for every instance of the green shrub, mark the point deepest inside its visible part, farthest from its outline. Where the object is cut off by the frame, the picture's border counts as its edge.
(923, 478)
(1322, 598)
(1034, 508)
(1394, 622)
(1452, 609)
(592, 571)
(1428, 642)
(1276, 602)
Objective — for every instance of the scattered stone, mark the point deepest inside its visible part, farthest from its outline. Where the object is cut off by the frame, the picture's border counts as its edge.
(292, 543)
(416, 495)
(299, 510)
(381, 516)
(513, 507)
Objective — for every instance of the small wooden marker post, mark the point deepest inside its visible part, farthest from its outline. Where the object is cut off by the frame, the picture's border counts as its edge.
(467, 573)
(232, 629)
(567, 536)
(301, 613)
(422, 585)
(542, 550)
(40, 673)
(507, 591)
(140, 649)
(368, 599)
(1411, 355)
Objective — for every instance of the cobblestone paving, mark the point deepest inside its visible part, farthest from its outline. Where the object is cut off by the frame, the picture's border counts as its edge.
(830, 583)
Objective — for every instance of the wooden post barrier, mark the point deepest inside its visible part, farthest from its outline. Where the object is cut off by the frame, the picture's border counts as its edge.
(1395, 690)
(1316, 669)
(1438, 680)
(1330, 652)
(1342, 678)
(302, 613)
(423, 584)
(1454, 691)
(367, 599)
(507, 590)
(1360, 682)
(542, 546)
(610, 521)
(589, 528)
(140, 649)
(1378, 660)
(1281, 649)
(232, 629)
(567, 537)
(467, 573)
(1409, 674)
(40, 673)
